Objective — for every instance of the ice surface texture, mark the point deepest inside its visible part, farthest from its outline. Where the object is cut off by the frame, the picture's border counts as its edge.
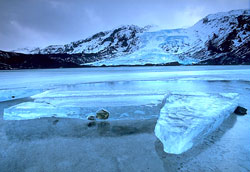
(187, 118)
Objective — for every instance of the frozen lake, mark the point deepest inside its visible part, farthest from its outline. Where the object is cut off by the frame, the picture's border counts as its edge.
(47, 78)
(59, 144)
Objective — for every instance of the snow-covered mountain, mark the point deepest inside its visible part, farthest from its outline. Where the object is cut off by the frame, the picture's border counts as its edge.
(221, 38)
(119, 41)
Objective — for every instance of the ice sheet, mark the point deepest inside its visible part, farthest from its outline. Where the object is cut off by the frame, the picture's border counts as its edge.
(11, 94)
(76, 104)
(187, 118)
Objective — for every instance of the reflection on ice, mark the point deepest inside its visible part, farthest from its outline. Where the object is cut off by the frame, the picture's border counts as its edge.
(187, 118)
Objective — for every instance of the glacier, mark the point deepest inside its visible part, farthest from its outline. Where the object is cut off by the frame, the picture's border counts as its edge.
(186, 46)
(187, 118)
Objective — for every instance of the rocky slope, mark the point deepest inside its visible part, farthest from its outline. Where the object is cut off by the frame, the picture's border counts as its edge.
(221, 38)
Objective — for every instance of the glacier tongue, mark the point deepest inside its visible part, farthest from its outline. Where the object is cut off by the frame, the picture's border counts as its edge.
(186, 118)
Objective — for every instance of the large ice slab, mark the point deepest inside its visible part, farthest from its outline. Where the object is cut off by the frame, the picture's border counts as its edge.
(80, 104)
(187, 118)
(17, 93)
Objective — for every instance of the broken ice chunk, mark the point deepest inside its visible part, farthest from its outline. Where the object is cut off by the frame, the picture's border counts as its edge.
(186, 118)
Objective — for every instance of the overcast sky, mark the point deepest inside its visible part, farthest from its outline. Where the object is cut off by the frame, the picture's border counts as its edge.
(31, 23)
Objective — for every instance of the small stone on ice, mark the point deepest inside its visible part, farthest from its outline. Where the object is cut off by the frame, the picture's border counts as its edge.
(91, 117)
(240, 111)
(102, 114)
